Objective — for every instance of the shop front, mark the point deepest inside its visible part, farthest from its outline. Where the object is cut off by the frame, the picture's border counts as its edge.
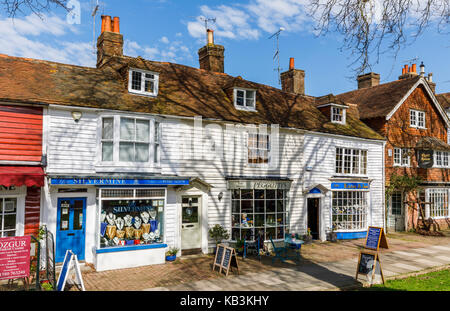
(115, 222)
(350, 209)
(259, 207)
(20, 200)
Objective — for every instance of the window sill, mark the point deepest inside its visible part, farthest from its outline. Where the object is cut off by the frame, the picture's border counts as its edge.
(127, 167)
(153, 95)
(245, 108)
(128, 248)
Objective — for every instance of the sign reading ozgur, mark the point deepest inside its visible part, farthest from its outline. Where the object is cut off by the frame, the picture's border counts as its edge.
(14, 257)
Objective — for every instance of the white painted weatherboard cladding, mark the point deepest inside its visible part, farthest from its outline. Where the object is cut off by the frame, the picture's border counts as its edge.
(319, 157)
(72, 146)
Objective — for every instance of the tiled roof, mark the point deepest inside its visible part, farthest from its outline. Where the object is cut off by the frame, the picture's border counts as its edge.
(183, 91)
(444, 100)
(432, 143)
(378, 101)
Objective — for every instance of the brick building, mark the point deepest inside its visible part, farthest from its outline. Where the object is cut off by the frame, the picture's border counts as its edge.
(407, 113)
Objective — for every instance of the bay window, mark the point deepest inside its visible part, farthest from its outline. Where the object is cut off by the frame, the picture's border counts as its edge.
(129, 140)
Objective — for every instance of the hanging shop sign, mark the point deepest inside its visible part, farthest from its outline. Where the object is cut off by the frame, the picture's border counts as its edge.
(118, 182)
(425, 158)
(259, 184)
(350, 185)
(15, 257)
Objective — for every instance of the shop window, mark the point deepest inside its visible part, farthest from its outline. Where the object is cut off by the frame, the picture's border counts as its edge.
(349, 210)
(439, 202)
(8, 217)
(351, 161)
(258, 148)
(130, 140)
(258, 211)
(129, 218)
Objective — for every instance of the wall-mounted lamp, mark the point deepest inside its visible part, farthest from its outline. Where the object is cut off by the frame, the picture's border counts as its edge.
(220, 196)
(76, 115)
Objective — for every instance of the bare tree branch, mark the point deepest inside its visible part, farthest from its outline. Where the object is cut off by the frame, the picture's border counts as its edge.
(375, 27)
(13, 7)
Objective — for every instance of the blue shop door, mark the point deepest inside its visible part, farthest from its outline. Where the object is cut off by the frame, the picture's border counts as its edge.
(70, 229)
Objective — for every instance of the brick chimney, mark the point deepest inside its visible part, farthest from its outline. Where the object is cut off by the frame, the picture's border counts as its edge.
(368, 80)
(293, 80)
(211, 56)
(110, 41)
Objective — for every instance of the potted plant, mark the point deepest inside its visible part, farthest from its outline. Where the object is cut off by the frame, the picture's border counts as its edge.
(218, 233)
(171, 254)
(308, 237)
(239, 247)
(46, 286)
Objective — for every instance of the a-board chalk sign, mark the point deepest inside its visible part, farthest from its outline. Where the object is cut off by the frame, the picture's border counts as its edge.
(70, 262)
(375, 238)
(219, 256)
(367, 263)
(225, 259)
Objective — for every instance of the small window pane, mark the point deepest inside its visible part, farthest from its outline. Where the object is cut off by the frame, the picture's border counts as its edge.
(126, 152)
(127, 131)
(149, 86)
(107, 151)
(108, 128)
(142, 130)
(136, 80)
(142, 153)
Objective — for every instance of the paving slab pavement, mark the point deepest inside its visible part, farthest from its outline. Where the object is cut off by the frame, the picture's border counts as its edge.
(323, 276)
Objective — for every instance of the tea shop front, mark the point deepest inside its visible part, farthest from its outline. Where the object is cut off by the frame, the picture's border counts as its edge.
(113, 222)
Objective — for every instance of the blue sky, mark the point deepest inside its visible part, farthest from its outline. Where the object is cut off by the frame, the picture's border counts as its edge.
(169, 30)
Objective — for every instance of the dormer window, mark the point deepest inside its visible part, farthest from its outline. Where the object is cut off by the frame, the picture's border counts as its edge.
(245, 99)
(337, 115)
(143, 82)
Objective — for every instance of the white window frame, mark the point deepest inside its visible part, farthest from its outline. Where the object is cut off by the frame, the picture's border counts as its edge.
(431, 195)
(244, 107)
(20, 210)
(396, 193)
(154, 144)
(416, 117)
(155, 80)
(402, 161)
(352, 196)
(258, 150)
(441, 159)
(361, 165)
(338, 114)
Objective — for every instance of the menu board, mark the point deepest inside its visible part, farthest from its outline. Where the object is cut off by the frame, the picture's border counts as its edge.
(219, 256)
(15, 257)
(225, 258)
(375, 238)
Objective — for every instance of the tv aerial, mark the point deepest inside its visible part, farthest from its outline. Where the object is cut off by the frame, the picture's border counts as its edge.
(277, 52)
(206, 20)
(95, 7)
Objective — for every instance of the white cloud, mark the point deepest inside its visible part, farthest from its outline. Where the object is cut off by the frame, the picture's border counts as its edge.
(23, 37)
(164, 40)
(173, 51)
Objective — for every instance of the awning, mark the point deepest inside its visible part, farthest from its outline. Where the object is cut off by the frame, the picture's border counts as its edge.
(21, 175)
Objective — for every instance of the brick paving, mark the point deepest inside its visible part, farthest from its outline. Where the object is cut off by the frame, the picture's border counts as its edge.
(185, 272)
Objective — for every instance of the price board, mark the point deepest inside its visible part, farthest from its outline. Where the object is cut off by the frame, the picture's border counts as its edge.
(219, 256)
(15, 257)
(225, 259)
(367, 264)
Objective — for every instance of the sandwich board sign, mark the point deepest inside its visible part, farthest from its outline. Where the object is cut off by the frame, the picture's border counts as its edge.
(375, 239)
(225, 259)
(70, 263)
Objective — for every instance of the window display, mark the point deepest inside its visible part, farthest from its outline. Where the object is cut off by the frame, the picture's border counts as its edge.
(131, 221)
(350, 210)
(258, 211)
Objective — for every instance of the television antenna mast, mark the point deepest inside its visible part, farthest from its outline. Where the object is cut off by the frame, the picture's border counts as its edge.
(95, 7)
(277, 52)
(415, 59)
(206, 20)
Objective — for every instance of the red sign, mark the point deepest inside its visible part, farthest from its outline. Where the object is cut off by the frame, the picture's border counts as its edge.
(14, 257)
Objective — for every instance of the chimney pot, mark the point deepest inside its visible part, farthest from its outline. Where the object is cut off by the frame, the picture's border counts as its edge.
(209, 36)
(103, 23)
(116, 25)
(403, 70)
(291, 63)
(414, 68)
(108, 23)
(422, 69)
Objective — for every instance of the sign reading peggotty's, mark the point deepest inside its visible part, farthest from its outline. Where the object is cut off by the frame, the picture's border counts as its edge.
(14, 257)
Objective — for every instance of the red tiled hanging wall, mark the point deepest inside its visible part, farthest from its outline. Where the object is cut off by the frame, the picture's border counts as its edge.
(32, 210)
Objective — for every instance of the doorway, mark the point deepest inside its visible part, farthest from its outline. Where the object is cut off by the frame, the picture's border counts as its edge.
(71, 227)
(191, 234)
(313, 216)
